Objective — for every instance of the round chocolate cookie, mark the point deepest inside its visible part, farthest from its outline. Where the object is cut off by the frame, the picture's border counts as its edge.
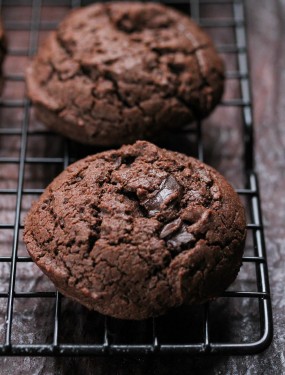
(135, 231)
(113, 73)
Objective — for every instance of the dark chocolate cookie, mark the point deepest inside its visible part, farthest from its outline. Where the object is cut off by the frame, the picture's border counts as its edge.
(135, 231)
(116, 72)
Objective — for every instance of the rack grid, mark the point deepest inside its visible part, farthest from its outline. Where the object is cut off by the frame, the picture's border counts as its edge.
(18, 128)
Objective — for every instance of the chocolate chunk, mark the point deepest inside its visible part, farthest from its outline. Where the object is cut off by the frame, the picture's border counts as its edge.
(171, 227)
(181, 238)
(169, 190)
(118, 162)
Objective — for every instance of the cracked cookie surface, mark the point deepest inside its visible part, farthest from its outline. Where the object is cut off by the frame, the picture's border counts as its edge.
(116, 72)
(134, 232)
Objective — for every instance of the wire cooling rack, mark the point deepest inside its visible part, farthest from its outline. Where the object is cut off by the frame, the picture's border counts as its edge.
(34, 318)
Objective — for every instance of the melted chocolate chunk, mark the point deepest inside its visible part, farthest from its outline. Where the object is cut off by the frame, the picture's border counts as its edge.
(169, 190)
(181, 238)
(171, 227)
(118, 162)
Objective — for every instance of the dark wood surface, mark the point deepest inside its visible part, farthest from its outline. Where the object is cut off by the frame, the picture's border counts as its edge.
(266, 30)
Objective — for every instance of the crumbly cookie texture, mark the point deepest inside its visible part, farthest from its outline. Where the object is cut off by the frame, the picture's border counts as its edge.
(113, 73)
(134, 232)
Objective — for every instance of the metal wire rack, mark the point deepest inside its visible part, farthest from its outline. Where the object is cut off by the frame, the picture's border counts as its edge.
(239, 322)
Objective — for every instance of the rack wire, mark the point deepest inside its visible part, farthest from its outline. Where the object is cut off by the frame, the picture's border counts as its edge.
(226, 326)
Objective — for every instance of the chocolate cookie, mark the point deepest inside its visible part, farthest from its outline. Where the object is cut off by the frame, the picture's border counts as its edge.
(116, 72)
(135, 231)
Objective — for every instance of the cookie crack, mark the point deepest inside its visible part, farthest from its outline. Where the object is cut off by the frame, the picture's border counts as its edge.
(163, 51)
(133, 197)
(194, 110)
(108, 76)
